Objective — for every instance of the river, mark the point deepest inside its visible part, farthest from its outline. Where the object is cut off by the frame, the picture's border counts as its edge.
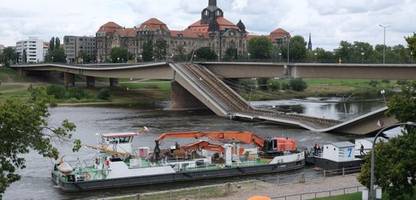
(36, 183)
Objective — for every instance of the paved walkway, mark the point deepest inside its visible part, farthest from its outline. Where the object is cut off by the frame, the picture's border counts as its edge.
(272, 190)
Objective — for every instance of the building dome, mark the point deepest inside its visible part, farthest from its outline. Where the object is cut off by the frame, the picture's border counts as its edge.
(109, 27)
(153, 24)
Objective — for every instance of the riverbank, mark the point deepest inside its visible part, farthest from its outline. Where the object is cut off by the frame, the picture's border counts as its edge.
(347, 88)
(147, 93)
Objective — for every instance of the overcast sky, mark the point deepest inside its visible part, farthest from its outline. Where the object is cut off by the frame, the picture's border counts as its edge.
(329, 21)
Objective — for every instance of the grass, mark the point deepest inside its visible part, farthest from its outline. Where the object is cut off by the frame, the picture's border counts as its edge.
(325, 88)
(353, 196)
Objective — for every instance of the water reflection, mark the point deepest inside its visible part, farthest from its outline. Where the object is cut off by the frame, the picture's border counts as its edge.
(329, 108)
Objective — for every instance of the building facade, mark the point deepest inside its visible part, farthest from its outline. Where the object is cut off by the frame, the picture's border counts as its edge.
(78, 48)
(213, 30)
(30, 51)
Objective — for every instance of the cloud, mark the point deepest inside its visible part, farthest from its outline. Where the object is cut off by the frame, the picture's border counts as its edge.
(329, 21)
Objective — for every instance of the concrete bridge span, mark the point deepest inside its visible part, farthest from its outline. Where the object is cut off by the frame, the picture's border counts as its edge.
(196, 85)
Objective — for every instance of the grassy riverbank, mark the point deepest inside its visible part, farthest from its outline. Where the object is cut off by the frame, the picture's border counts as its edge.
(353, 196)
(324, 88)
(145, 93)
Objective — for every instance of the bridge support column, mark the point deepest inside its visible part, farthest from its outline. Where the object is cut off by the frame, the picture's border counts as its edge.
(69, 79)
(21, 73)
(181, 99)
(90, 81)
(113, 82)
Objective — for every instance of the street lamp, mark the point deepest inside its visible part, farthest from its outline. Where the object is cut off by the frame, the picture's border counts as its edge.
(316, 57)
(383, 92)
(372, 178)
(384, 47)
(362, 57)
(288, 48)
(411, 57)
(280, 56)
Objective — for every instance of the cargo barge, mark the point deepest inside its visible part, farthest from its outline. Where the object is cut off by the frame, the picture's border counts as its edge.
(120, 165)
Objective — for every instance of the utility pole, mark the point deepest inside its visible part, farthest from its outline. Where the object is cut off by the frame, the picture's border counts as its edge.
(384, 47)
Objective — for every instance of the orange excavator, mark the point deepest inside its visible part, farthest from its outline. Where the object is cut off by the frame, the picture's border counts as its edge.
(267, 146)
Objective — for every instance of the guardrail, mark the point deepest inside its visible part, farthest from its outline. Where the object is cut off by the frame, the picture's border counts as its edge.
(321, 194)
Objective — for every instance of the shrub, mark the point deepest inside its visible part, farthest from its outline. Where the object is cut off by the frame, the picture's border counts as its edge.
(284, 86)
(298, 85)
(76, 93)
(274, 85)
(373, 83)
(56, 91)
(104, 94)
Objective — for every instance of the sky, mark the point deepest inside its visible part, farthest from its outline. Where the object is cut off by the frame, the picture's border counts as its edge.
(329, 21)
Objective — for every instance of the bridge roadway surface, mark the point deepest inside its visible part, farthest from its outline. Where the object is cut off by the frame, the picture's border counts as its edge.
(206, 85)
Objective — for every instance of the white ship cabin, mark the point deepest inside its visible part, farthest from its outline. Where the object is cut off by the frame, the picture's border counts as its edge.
(367, 143)
(339, 151)
(119, 142)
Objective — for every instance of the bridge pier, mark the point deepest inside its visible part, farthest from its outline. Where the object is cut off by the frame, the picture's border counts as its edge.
(113, 82)
(90, 81)
(181, 99)
(69, 79)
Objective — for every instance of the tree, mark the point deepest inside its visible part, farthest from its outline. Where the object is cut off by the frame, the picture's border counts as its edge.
(147, 54)
(395, 164)
(260, 47)
(231, 54)
(321, 56)
(8, 56)
(205, 53)
(411, 42)
(119, 55)
(297, 49)
(160, 49)
(55, 52)
(86, 58)
(180, 53)
(24, 127)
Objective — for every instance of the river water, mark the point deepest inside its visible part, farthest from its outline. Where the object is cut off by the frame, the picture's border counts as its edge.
(36, 183)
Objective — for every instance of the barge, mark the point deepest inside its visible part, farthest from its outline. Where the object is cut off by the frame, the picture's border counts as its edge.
(119, 164)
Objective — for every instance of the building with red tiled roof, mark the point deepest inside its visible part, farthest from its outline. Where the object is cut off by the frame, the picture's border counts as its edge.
(212, 30)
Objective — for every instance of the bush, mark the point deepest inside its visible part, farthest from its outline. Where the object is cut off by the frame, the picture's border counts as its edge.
(274, 85)
(56, 91)
(298, 85)
(373, 83)
(76, 93)
(104, 94)
(284, 86)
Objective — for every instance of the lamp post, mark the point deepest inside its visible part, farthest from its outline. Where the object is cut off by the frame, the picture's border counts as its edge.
(372, 178)
(288, 49)
(384, 47)
(411, 57)
(280, 56)
(362, 57)
(383, 93)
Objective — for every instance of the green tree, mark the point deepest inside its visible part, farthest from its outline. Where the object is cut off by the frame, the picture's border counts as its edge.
(55, 52)
(260, 47)
(24, 127)
(395, 164)
(411, 42)
(160, 50)
(119, 55)
(321, 56)
(180, 53)
(205, 53)
(86, 58)
(147, 54)
(344, 52)
(9, 56)
(297, 49)
(231, 54)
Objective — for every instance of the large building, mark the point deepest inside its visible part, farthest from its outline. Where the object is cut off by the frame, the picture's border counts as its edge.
(30, 51)
(213, 30)
(79, 47)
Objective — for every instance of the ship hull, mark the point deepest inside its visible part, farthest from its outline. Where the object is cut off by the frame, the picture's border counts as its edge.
(177, 177)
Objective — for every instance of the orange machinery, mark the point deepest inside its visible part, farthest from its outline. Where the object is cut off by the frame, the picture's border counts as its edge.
(277, 144)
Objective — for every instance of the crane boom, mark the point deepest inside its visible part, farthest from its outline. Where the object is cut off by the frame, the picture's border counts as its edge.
(238, 136)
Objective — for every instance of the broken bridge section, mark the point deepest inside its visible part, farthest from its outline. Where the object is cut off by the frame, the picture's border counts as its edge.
(210, 90)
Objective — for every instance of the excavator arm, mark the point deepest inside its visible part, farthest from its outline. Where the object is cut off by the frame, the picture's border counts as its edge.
(236, 136)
